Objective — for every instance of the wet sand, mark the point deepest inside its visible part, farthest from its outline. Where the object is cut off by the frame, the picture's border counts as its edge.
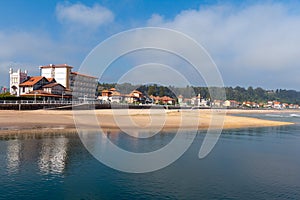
(54, 121)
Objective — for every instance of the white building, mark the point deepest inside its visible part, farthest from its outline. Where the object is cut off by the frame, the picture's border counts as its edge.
(61, 73)
(32, 84)
(81, 85)
(16, 78)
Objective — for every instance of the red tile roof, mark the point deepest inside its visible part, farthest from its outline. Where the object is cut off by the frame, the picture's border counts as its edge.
(32, 81)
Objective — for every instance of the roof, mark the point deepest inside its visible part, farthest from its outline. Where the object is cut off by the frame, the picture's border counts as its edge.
(136, 91)
(56, 66)
(50, 79)
(166, 98)
(79, 74)
(116, 94)
(50, 85)
(32, 81)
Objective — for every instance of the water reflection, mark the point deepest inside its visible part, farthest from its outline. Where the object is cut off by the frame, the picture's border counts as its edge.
(48, 152)
(53, 155)
(13, 156)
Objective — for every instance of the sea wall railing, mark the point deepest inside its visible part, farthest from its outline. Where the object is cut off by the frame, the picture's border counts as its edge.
(67, 102)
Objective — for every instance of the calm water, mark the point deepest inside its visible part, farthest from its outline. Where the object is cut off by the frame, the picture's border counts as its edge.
(260, 163)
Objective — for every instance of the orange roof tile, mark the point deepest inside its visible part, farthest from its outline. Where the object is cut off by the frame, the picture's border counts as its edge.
(32, 81)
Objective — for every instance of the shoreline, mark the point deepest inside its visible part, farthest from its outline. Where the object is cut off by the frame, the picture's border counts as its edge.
(49, 121)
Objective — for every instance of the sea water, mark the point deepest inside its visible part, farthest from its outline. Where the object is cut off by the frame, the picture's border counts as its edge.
(250, 163)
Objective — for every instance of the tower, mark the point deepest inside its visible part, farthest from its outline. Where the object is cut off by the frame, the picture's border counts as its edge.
(15, 79)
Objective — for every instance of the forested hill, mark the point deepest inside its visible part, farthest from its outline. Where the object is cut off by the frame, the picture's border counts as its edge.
(237, 93)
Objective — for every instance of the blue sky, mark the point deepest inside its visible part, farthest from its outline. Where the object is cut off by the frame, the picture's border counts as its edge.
(252, 42)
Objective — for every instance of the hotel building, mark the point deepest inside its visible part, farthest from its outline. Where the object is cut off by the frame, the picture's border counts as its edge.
(81, 85)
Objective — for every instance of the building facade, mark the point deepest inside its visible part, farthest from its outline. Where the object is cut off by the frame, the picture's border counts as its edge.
(16, 78)
(61, 73)
(81, 85)
(32, 84)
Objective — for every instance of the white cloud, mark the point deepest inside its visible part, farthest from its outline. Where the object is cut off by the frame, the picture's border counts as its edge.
(256, 39)
(79, 14)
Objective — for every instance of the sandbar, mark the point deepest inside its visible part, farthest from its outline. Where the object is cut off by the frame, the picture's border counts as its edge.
(34, 121)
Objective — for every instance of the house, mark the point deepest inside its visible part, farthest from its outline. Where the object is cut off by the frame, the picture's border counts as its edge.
(116, 97)
(155, 99)
(277, 105)
(33, 83)
(54, 88)
(231, 104)
(105, 96)
(111, 95)
(250, 104)
(134, 97)
(217, 103)
(167, 100)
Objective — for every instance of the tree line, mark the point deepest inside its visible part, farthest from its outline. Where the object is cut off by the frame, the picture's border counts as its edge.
(240, 94)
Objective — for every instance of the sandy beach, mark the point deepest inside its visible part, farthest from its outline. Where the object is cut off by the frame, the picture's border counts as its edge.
(54, 121)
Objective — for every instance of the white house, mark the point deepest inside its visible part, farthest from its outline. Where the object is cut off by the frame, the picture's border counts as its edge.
(33, 83)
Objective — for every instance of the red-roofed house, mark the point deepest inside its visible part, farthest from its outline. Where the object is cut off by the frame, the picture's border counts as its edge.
(33, 83)
(134, 97)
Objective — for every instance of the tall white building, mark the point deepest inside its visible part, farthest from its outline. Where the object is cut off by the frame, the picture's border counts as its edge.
(61, 73)
(81, 85)
(16, 78)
